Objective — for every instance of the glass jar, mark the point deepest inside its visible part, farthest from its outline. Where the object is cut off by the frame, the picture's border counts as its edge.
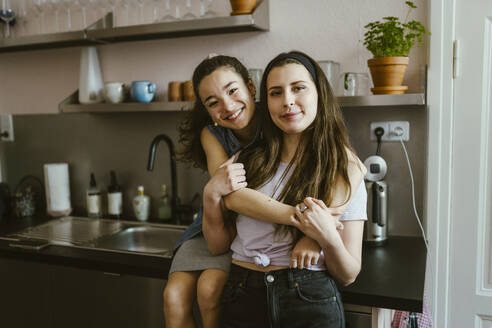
(353, 84)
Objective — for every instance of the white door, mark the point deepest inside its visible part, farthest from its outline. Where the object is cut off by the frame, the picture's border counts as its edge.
(470, 302)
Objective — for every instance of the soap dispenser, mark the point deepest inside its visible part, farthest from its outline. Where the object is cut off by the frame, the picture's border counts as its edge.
(94, 206)
(164, 206)
(141, 205)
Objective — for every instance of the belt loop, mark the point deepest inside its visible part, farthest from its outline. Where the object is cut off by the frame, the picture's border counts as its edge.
(290, 278)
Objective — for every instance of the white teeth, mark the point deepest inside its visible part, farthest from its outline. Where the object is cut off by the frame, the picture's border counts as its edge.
(236, 114)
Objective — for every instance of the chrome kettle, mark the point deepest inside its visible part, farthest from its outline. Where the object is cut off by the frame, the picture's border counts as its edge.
(376, 226)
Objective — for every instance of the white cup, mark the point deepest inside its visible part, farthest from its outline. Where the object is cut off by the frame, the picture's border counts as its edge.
(114, 92)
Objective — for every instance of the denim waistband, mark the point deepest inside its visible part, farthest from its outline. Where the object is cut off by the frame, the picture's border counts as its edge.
(252, 278)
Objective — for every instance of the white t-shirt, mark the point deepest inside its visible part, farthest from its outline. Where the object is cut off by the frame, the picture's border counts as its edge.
(257, 242)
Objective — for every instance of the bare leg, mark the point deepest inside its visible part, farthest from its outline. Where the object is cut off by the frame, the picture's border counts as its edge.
(179, 295)
(210, 285)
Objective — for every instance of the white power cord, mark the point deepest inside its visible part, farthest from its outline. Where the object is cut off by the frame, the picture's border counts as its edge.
(399, 133)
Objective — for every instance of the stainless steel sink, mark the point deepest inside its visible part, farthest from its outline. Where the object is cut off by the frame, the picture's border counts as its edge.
(142, 239)
(100, 234)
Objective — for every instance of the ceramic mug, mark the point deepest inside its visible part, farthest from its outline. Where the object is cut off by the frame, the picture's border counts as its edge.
(114, 92)
(188, 93)
(143, 91)
(175, 91)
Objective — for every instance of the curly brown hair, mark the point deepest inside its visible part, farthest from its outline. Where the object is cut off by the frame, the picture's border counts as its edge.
(191, 127)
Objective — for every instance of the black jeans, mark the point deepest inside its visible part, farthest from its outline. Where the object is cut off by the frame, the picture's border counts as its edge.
(283, 298)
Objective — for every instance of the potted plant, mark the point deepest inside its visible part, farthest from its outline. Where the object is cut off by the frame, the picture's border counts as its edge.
(242, 7)
(390, 42)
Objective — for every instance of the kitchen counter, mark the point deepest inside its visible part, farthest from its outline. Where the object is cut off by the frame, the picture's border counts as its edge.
(392, 276)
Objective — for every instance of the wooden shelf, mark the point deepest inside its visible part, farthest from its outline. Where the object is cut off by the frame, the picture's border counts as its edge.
(404, 101)
(412, 101)
(102, 31)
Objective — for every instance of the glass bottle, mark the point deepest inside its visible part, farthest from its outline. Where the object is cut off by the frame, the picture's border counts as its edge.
(164, 206)
(94, 206)
(115, 199)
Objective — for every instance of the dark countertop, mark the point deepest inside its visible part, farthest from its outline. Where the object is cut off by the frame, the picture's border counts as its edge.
(392, 275)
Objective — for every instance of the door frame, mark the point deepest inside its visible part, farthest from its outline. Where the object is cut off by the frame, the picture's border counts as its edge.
(440, 147)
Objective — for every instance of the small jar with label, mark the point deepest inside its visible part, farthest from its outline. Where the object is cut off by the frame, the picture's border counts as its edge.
(94, 201)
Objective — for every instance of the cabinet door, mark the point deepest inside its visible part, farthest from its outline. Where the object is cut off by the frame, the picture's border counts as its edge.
(85, 298)
(24, 294)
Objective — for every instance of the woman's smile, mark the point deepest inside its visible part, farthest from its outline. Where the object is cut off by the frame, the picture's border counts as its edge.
(235, 115)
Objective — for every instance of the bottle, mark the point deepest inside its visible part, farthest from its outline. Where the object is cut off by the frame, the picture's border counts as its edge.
(94, 206)
(164, 206)
(115, 199)
(141, 205)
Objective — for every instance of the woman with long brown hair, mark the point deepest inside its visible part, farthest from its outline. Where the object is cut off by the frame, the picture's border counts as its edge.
(222, 122)
(304, 152)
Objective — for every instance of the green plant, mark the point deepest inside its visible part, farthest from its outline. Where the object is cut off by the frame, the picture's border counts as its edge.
(392, 38)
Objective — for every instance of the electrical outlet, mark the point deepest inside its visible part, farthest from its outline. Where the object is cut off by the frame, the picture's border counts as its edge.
(399, 130)
(391, 130)
(7, 128)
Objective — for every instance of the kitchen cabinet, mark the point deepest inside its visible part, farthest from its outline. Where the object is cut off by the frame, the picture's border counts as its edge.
(40, 295)
(25, 294)
(109, 299)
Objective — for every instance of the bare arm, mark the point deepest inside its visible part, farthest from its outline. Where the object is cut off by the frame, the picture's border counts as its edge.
(356, 172)
(342, 249)
(218, 234)
(245, 201)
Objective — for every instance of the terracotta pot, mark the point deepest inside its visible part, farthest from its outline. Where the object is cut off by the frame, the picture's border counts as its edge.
(387, 74)
(242, 7)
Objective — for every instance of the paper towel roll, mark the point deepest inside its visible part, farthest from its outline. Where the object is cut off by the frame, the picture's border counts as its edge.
(57, 189)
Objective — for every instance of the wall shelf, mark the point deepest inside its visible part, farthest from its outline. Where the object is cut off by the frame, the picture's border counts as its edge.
(404, 101)
(102, 32)
(411, 101)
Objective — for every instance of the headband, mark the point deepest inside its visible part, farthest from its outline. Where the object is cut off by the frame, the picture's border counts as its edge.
(297, 56)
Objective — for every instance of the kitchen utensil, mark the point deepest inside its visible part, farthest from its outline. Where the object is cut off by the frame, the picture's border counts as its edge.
(90, 79)
(114, 92)
(188, 93)
(29, 197)
(332, 72)
(353, 84)
(57, 186)
(376, 227)
(175, 91)
(143, 91)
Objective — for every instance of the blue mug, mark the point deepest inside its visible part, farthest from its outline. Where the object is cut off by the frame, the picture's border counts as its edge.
(143, 91)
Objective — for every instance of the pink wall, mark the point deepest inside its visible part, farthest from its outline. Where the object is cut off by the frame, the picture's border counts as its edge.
(36, 81)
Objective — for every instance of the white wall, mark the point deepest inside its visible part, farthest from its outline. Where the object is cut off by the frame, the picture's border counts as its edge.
(37, 81)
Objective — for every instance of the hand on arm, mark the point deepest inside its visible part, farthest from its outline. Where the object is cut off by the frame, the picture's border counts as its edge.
(226, 177)
(305, 253)
(245, 201)
(342, 249)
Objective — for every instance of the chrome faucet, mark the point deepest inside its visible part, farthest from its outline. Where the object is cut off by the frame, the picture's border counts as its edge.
(174, 184)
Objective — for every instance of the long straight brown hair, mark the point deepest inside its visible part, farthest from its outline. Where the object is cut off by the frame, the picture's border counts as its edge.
(321, 156)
